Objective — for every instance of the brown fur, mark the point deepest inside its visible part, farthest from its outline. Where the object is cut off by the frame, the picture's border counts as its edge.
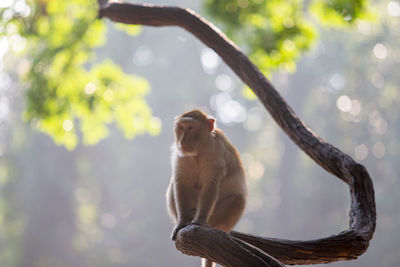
(208, 180)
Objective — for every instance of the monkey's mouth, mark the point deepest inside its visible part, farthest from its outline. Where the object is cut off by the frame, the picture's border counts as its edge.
(187, 150)
(184, 147)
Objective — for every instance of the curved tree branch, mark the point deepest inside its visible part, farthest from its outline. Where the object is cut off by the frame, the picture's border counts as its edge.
(221, 247)
(343, 246)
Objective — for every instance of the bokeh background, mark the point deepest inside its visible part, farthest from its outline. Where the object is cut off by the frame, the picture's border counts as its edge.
(104, 204)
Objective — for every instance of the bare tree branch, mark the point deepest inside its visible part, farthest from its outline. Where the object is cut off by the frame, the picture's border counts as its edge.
(221, 247)
(344, 246)
(325, 250)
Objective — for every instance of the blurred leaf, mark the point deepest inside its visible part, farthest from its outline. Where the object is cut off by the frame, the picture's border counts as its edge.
(64, 98)
(340, 13)
(275, 32)
(129, 29)
(87, 213)
(248, 93)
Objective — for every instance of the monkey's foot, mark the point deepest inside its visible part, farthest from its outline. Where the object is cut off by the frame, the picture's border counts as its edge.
(177, 228)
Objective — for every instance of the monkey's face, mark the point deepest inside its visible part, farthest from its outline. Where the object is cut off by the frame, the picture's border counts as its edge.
(189, 135)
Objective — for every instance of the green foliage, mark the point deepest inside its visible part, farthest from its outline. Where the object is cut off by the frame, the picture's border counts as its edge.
(248, 93)
(129, 29)
(276, 32)
(64, 99)
(340, 13)
(72, 103)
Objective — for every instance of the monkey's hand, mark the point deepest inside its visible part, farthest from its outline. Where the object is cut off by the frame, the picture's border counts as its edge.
(177, 228)
(200, 222)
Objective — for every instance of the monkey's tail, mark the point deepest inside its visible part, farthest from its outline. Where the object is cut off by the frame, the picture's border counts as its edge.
(207, 263)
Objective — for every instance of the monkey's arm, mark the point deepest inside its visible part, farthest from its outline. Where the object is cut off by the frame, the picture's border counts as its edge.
(184, 206)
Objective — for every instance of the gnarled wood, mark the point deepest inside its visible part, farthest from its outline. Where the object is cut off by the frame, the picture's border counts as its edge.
(221, 247)
(343, 246)
(334, 248)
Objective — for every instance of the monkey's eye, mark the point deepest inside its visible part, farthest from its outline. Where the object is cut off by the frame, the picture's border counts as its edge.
(180, 127)
(190, 127)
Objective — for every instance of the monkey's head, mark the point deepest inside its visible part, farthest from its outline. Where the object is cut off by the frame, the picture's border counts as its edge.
(191, 130)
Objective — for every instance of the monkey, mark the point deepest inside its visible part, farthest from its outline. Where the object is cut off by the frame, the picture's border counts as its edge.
(208, 184)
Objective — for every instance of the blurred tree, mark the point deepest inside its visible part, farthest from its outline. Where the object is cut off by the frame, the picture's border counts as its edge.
(277, 32)
(69, 95)
(318, 112)
(55, 40)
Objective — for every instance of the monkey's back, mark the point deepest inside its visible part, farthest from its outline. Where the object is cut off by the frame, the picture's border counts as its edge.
(234, 181)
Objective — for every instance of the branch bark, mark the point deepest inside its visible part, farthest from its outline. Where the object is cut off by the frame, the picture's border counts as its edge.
(220, 247)
(343, 246)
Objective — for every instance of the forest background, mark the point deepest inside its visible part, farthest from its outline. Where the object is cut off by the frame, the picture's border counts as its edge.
(85, 188)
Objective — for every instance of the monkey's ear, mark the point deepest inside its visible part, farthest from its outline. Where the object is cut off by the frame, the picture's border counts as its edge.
(211, 124)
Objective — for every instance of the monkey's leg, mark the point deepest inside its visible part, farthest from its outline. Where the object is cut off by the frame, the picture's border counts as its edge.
(171, 204)
(225, 215)
(185, 203)
(227, 212)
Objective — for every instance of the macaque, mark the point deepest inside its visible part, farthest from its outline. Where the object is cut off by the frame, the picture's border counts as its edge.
(208, 184)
